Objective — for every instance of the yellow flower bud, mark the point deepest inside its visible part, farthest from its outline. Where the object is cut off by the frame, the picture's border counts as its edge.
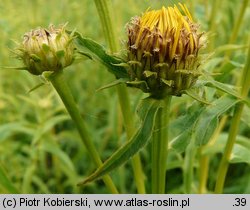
(163, 47)
(49, 49)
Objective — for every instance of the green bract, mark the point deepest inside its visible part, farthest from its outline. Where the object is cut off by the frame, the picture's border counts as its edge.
(49, 49)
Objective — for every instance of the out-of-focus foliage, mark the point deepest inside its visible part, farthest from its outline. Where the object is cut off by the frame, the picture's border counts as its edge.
(40, 150)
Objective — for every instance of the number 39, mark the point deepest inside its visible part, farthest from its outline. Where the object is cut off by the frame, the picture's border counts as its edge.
(240, 201)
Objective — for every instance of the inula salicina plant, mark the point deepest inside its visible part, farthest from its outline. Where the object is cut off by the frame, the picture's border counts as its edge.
(179, 115)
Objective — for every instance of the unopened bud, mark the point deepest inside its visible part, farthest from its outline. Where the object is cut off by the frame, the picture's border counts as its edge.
(163, 51)
(49, 49)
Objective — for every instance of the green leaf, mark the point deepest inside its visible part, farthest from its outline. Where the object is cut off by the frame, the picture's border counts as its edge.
(36, 87)
(15, 68)
(43, 188)
(112, 84)
(139, 84)
(180, 143)
(230, 47)
(211, 64)
(183, 128)
(99, 53)
(240, 152)
(54, 149)
(48, 125)
(192, 93)
(85, 55)
(223, 87)
(148, 110)
(6, 183)
(246, 116)
(12, 128)
(208, 120)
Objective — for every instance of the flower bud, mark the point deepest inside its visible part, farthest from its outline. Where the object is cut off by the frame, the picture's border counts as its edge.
(163, 48)
(49, 49)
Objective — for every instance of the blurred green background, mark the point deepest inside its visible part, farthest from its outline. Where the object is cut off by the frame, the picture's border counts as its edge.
(40, 150)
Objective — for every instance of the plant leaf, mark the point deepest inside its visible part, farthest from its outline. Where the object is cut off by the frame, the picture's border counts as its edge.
(223, 87)
(139, 84)
(208, 120)
(36, 87)
(6, 183)
(184, 126)
(192, 93)
(148, 110)
(230, 47)
(49, 124)
(241, 149)
(99, 53)
(85, 55)
(15, 68)
(112, 84)
(12, 128)
(54, 149)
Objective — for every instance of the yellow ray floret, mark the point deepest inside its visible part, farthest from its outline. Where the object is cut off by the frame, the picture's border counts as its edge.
(166, 20)
(163, 51)
(166, 17)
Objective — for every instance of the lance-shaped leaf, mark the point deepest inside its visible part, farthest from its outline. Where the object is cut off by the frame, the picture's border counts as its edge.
(98, 52)
(114, 83)
(36, 87)
(148, 110)
(14, 68)
(208, 120)
(210, 82)
(5, 183)
(241, 149)
(229, 47)
(183, 128)
(193, 94)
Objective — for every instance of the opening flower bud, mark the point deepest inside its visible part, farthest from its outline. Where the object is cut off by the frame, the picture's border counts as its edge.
(49, 49)
(163, 51)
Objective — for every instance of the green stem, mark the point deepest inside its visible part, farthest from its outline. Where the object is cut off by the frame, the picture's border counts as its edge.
(103, 8)
(155, 149)
(160, 148)
(204, 159)
(213, 17)
(59, 83)
(236, 27)
(228, 150)
(204, 169)
(188, 169)
(238, 22)
(223, 167)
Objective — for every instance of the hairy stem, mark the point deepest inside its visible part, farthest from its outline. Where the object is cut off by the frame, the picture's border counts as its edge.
(236, 28)
(103, 8)
(160, 148)
(60, 85)
(215, 9)
(238, 22)
(223, 167)
(188, 168)
(204, 159)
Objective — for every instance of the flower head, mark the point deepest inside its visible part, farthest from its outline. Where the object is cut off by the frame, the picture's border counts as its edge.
(49, 49)
(163, 47)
